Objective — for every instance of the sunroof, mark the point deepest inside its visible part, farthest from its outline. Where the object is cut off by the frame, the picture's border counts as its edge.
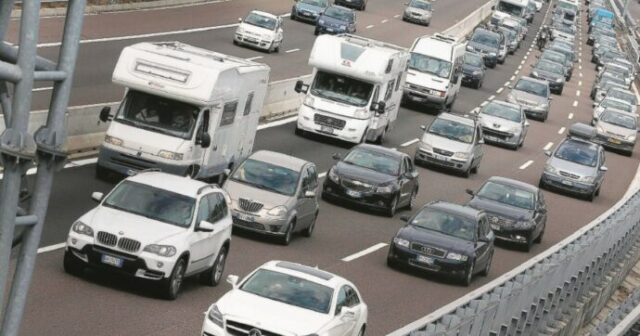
(305, 269)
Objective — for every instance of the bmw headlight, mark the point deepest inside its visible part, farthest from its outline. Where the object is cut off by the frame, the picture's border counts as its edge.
(215, 316)
(333, 176)
(82, 228)
(279, 211)
(550, 169)
(401, 242)
(309, 101)
(169, 155)
(113, 140)
(161, 250)
(385, 189)
(456, 256)
(361, 113)
(461, 156)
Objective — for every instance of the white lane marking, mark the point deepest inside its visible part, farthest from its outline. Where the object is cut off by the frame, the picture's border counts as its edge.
(575, 103)
(364, 252)
(580, 54)
(506, 84)
(525, 57)
(396, 16)
(513, 77)
(384, 21)
(370, 26)
(578, 93)
(548, 146)
(492, 97)
(516, 72)
(570, 116)
(522, 62)
(580, 74)
(484, 103)
(51, 248)
(254, 58)
(561, 130)
(526, 164)
(321, 175)
(528, 52)
(579, 67)
(43, 89)
(499, 90)
(531, 48)
(519, 67)
(410, 142)
(579, 83)
(292, 50)
(277, 123)
(579, 60)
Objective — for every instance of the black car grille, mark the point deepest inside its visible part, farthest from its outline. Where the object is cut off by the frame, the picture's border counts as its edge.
(496, 133)
(500, 221)
(126, 244)
(133, 162)
(356, 185)
(249, 206)
(247, 224)
(570, 175)
(241, 329)
(329, 121)
(428, 250)
(129, 245)
(442, 151)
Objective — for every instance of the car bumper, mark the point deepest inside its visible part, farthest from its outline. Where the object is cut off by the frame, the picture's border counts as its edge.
(253, 222)
(437, 265)
(369, 199)
(498, 137)
(423, 98)
(346, 129)
(330, 30)
(469, 79)
(535, 112)
(307, 17)
(127, 163)
(211, 329)
(417, 19)
(613, 143)
(512, 235)
(254, 42)
(567, 184)
(430, 158)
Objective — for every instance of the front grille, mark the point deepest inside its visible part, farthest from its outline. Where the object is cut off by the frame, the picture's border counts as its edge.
(329, 121)
(249, 206)
(495, 133)
(428, 250)
(247, 224)
(242, 329)
(356, 185)
(133, 162)
(419, 88)
(442, 151)
(500, 221)
(570, 175)
(129, 245)
(107, 238)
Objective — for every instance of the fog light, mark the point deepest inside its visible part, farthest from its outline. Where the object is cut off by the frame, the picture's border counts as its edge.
(160, 264)
(519, 237)
(74, 241)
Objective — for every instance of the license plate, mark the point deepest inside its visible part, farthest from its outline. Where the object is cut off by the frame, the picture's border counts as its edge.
(131, 172)
(495, 227)
(326, 129)
(439, 157)
(425, 260)
(113, 261)
(615, 141)
(565, 182)
(354, 193)
(246, 218)
(306, 14)
(487, 137)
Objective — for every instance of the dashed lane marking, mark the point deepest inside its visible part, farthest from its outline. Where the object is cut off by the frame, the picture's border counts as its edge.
(526, 164)
(364, 252)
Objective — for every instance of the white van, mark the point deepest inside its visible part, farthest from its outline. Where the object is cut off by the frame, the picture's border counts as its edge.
(505, 8)
(186, 111)
(356, 88)
(435, 71)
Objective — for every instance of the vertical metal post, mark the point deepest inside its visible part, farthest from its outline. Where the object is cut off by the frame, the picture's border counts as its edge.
(5, 99)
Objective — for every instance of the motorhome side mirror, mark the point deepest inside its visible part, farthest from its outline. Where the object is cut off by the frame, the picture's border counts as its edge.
(205, 226)
(204, 140)
(301, 87)
(97, 196)
(233, 280)
(381, 108)
(547, 153)
(405, 218)
(470, 192)
(105, 114)
(336, 156)
(604, 169)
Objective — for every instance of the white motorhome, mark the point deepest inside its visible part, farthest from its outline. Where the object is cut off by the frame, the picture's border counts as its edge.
(186, 111)
(505, 8)
(356, 88)
(435, 71)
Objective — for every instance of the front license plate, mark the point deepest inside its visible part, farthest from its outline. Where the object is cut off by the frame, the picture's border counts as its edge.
(615, 141)
(565, 182)
(439, 157)
(353, 193)
(326, 129)
(246, 218)
(110, 260)
(425, 260)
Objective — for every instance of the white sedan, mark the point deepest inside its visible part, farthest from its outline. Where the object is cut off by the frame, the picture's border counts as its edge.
(286, 298)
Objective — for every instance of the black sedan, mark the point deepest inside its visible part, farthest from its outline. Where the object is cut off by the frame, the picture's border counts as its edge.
(375, 177)
(473, 69)
(516, 210)
(445, 238)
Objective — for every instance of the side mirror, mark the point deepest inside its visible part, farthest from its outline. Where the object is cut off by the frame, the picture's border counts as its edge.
(604, 169)
(547, 153)
(336, 156)
(204, 140)
(105, 114)
(405, 218)
(97, 196)
(423, 127)
(226, 172)
(527, 124)
(239, 19)
(205, 226)
(470, 192)
(233, 280)
(310, 194)
(493, 7)
(347, 313)
(301, 87)
(379, 107)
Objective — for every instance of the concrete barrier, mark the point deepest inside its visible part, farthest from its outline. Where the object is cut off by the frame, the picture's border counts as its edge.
(463, 28)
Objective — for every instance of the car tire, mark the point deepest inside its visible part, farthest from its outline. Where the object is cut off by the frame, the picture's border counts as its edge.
(598, 191)
(293, 16)
(213, 275)
(467, 172)
(171, 287)
(391, 211)
(629, 153)
(591, 196)
(560, 91)
(299, 132)
(391, 261)
(381, 137)
(286, 238)
(478, 84)
(235, 42)
(528, 244)
(71, 264)
(541, 184)
(316, 32)
(467, 278)
(487, 268)
(413, 199)
(309, 230)
(361, 333)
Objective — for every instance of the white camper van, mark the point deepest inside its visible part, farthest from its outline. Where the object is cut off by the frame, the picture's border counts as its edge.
(505, 8)
(435, 71)
(186, 111)
(356, 88)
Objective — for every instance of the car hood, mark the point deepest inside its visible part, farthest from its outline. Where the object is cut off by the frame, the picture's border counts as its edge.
(332, 22)
(548, 75)
(444, 143)
(309, 7)
(362, 174)
(418, 11)
(500, 209)
(522, 96)
(270, 199)
(145, 141)
(436, 239)
(145, 230)
(616, 130)
(572, 167)
(427, 80)
(496, 123)
(269, 314)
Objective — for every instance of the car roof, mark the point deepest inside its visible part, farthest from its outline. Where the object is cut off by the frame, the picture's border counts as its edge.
(381, 149)
(454, 208)
(617, 88)
(514, 183)
(458, 118)
(341, 7)
(174, 183)
(279, 159)
(305, 272)
(615, 110)
(486, 31)
(531, 79)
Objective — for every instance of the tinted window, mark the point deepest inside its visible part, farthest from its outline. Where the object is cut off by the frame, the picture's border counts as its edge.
(217, 207)
(610, 103)
(420, 4)
(341, 89)
(317, 3)
(446, 223)
(579, 152)
(267, 176)
(502, 111)
(373, 160)
(626, 96)
(550, 67)
(473, 59)
(507, 194)
(619, 119)
(538, 89)
(485, 38)
(339, 14)
(228, 113)
(452, 130)
(313, 177)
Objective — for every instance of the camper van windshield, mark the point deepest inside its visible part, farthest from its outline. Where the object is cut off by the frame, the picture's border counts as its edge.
(434, 66)
(510, 9)
(341, 89)
(158, 114)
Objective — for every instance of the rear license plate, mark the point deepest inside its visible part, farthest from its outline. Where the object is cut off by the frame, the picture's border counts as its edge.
(110, 260)
(246, 218)
(615, 141)
(565, 182)
(326, 129)
(424, 260)
(353, 193)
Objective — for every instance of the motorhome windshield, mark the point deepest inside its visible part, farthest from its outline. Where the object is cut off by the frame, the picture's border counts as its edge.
(341, 89)
(509, 8)
(158, 114)
(430, 65)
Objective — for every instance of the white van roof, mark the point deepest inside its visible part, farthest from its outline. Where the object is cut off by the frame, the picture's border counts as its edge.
(438, 46)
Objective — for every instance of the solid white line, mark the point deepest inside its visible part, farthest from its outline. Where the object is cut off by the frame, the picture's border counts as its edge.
(292, 50)
(396, 16)
(526, 164)
(43, 89)
(499, 90)
(364, 252)
(277, 123)
(575, 103)
(578, 93)
(570, 116)
(506, 84)
(254, 58)
(51, 248)
(410, 142)
(384, 21)
(370, 26)
(561, 130)
(321, 175)
(548, 146)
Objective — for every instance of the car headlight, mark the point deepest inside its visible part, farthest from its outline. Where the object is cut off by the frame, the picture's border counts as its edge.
(401, 242)
(169, 155)
(631, 138)
(534, 73)
(309, 101)
(113, 140)
(82, 228)
(279, 211)
(522, 224)
(161, 250)
(461, 155)
(385, 189)
(321, 21)
(588, 179)
(469, 48)
(267, 37)
(361, 114)
(515, 129)
(477, 72)
(511, 98)
(456, 256)
(239, 30)
(215, 316)
(492, 54)
(333, 176)
(559, 80)
(550, 169)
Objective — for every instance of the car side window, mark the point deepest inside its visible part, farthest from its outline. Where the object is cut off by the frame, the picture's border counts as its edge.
(203, 211)
(602, 157)
(313, 177)
(483, 227)
(228, 113)
(409, 164)
(305, 182)
(341, 301)
(352, 297)
(540, 199)
(217, 206)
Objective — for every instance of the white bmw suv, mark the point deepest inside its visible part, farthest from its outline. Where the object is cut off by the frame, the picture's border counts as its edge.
(154, 226)
(285, 298)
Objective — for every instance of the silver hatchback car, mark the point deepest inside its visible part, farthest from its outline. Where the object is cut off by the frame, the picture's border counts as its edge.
(274, 194)
(418, 11)
(504, 124)
(617, 131)
(533, 95)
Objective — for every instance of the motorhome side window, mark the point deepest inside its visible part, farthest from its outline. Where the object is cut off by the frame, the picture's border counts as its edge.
(341, 89)
(389, 89)
(158, 114)
(398, 80)
(247, 104)
(228, 113)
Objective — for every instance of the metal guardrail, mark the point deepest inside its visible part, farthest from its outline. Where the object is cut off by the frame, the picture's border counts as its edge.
(623, 320)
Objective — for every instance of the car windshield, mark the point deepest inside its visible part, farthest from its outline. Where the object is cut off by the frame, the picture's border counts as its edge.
(502, 111)
(535, 88)
(445, 223)
(290, 290)
(579, 152)
(610, 55)
(550, 67)
(485, 38)
(510, 9)
(341, 89)
(261, 21)
(610, 103)
(452, 130)
(607, 83)
(317, 3)
(567, 5)
(554, 57)
(622, 95)
(420, 4)
(158, 114)
(619, 119)
(428, 64)
(339, 14)
(153, 203)
(375, 161)
(473, 60)
(507, 194)
(267, 176)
